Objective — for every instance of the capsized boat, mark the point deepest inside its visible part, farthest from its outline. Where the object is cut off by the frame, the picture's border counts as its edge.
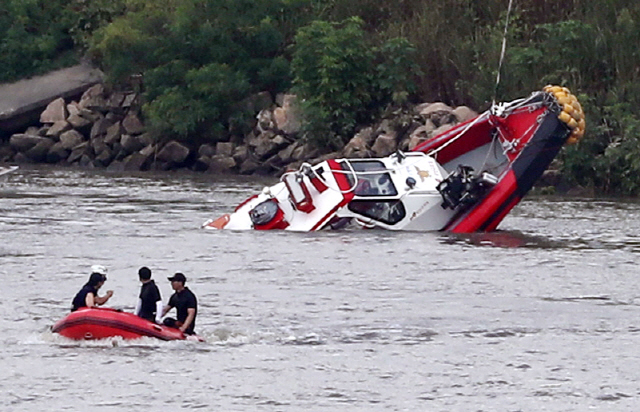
(464, 180)
(102, 323)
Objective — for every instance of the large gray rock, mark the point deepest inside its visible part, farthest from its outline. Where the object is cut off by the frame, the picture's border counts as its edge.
(305, 152)
(266, 121)
(70, 139)
(57, 153)
(357, 147)
(463, 113)
(98, 145)
(132, 124)
(82, 149)
(58, 128)
(421, 134)
(80, 123)
(249, 166)
(104, 156)
(287, 117)
(94, 99)
(22, 142)
(91, 115)
(131, 143)
(286, 155)
(221, 164)
(149, 151)
(38, 153)
(241, 154)
(56, 111)
(173, 152)
(86, 162)
(72, 108)
(21, 158)
(207, 150)
(114, 133)
(224, 148)
(384, 145)
(443, 129)
(439, 113)
(129, 100)
(100, 128)
(201, 164)
(116, 166)
(114, 102)
(269, 144)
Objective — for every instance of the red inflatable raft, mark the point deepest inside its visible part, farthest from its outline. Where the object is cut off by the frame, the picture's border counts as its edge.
(101, 323)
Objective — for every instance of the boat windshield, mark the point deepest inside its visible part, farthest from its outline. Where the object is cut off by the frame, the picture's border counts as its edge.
(385, 211)
(373, 178)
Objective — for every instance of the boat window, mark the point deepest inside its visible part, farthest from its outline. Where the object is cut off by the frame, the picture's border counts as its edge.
(385, 211)
(373, 179)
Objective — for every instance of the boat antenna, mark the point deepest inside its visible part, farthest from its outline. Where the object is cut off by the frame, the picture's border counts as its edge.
(504, 47)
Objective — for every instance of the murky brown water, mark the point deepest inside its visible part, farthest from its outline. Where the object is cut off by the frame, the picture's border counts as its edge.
(543, 315)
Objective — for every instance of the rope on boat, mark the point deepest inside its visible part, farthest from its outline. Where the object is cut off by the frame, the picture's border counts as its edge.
(502, 52)
(434, 152)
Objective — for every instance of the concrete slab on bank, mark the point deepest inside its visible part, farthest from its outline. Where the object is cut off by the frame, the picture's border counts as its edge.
(21, 102)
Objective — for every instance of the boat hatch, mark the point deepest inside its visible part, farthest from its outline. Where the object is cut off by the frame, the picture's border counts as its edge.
(371, 178)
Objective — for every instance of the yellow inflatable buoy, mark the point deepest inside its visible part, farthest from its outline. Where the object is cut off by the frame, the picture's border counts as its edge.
(565, 117)
(571, 114)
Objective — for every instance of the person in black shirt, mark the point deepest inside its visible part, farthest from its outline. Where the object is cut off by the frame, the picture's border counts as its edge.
(149, 305)
(88, 295)
(185, 303)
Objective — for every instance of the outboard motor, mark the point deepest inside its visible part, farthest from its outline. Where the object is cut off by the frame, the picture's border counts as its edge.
(463, 188)
(267, 215)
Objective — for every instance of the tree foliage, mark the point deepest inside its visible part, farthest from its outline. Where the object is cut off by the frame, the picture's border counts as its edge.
(349, 59)
(41, 35)
(199, 58)
(344, 80)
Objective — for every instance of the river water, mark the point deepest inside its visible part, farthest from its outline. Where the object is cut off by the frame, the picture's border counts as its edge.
(541, 315)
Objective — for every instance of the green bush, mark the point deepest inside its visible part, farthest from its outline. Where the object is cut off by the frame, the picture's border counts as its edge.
(199, 58)
(344, 81)
(41, 35)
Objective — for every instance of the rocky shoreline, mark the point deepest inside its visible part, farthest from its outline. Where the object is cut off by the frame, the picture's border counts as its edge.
(105, 130)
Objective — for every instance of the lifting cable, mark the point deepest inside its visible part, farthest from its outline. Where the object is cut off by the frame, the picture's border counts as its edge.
(504, 47)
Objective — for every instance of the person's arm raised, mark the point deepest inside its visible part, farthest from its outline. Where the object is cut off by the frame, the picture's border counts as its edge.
(101, 300)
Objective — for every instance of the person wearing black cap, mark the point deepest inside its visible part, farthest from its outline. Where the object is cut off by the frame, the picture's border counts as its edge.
(185, 303)
(88, 295)
(149, 305)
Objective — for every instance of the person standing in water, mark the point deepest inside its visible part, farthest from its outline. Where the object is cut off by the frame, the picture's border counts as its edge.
(186, 306)
(149, 304)
(88, 295)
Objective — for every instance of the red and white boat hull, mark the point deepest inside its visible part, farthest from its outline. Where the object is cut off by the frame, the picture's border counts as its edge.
(464, 180)
(102, 323)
